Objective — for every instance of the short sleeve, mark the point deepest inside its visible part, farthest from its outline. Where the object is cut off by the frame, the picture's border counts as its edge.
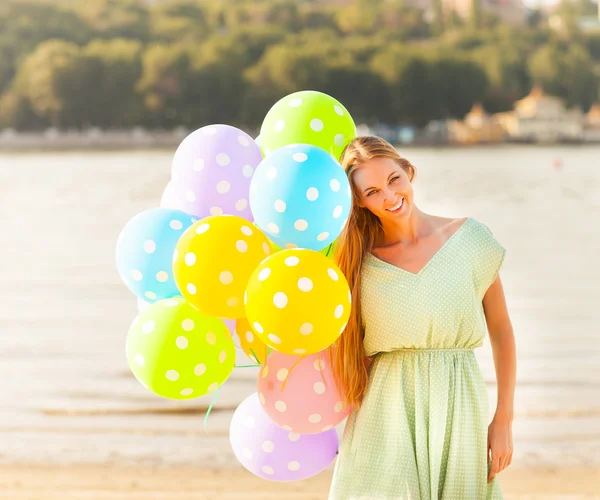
(488, 259)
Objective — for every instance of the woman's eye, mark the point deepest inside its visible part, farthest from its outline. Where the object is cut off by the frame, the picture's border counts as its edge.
(370, 193)
(394, 179)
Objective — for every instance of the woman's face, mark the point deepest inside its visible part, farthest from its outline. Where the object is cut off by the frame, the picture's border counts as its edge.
(384, 188)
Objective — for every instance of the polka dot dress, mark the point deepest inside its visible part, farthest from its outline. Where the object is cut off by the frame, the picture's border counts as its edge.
(421, 432)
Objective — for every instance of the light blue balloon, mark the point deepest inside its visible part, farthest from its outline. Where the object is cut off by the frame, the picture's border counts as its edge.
(145, 252)
(300, 196)
(257, 140)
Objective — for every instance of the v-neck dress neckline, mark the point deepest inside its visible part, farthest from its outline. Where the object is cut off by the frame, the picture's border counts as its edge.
(430, 261)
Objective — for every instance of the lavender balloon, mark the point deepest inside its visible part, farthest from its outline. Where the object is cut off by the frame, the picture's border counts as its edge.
(273, 453)
(211, 171)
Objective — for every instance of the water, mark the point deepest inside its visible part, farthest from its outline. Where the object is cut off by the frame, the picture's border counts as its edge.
(67, 393)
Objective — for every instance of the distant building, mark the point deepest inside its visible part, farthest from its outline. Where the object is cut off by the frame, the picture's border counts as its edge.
(587, 24)
(512, 12)
(591, 124)
(542, 118)
(477, 127)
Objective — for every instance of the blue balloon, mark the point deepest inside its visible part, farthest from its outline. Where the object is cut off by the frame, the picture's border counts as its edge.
(300, 196)
(257, 140)
(145, 252)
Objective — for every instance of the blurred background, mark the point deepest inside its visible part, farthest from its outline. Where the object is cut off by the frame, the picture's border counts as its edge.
(496, 102)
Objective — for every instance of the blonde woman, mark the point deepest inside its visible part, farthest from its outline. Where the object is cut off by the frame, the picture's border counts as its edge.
(424, 288)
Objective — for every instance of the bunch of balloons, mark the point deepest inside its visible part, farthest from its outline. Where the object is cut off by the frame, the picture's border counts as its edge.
(241, 246)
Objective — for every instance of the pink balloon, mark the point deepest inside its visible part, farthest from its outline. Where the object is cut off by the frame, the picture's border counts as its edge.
(310, 402)
(270, 452)
(212, 169)
(169, 198)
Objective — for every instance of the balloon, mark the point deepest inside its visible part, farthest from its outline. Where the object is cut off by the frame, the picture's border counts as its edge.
(254, 348)
(230, 324)
(213, 261)
(169, 198)
(178, 353)
(309, 402)
(298, 301)
(327, 251)
(145, 252)
(307, 117)
(142, 304)
(300, 197)
(270, 452)
(211, 171)
(257, 140)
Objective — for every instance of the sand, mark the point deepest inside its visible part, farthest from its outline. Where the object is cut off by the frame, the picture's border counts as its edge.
(107, 482)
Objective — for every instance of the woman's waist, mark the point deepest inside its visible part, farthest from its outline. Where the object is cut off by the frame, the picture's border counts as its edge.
(431, 351)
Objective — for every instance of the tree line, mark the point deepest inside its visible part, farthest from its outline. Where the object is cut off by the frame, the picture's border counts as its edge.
(123, 63)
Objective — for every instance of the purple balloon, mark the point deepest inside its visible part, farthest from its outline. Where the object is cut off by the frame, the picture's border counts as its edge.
(273, 453)
(211, 171)
(169, 198)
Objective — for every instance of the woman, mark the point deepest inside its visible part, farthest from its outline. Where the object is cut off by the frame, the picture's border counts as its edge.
(423, 288)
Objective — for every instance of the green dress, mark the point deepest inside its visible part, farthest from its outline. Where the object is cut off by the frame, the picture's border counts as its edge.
(421, 432)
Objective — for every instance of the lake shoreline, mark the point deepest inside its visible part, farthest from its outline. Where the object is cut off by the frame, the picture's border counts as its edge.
(138, 139)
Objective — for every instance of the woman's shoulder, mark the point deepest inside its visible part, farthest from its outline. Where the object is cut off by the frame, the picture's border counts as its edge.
(479, 228)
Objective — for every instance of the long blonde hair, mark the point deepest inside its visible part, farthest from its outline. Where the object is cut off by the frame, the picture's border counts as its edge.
(360, 234)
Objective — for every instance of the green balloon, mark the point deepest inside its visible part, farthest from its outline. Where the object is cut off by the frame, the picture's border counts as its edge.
(307, 117)
(178, 353)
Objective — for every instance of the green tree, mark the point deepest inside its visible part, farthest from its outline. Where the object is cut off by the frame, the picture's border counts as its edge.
(178, 20)
(39, 78)
(359, 17)
(565, 70)
(116, 102)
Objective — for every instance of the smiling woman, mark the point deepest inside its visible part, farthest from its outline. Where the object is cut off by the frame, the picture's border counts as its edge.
(419, 283)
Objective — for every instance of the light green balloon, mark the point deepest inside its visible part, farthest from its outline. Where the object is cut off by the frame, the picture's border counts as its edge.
(178, 353)
(307, 117)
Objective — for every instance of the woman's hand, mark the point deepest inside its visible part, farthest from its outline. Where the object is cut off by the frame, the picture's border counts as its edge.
(500, 444)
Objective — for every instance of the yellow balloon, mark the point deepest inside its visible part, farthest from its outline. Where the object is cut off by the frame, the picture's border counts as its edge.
(298, 301)
(254, 348)
(213, 260)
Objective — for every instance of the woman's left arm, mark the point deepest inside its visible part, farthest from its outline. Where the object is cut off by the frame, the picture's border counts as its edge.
(502, 339)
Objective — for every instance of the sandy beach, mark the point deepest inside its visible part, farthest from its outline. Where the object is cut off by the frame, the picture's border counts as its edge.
(75, 424)
(108, 482)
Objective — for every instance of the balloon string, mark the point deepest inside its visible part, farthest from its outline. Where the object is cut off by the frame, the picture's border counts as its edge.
(255, 356)
(210, 408)
(328, 249)
(246, 366)
(289, 372)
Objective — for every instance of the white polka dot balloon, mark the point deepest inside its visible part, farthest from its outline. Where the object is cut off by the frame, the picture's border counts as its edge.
(300, 394)
(297, 301)
(307, 117)
(213, 261)
(272, 453)
(144, 252)
(300, 197)
(169, 198)
(178, 353)
(211, 171)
